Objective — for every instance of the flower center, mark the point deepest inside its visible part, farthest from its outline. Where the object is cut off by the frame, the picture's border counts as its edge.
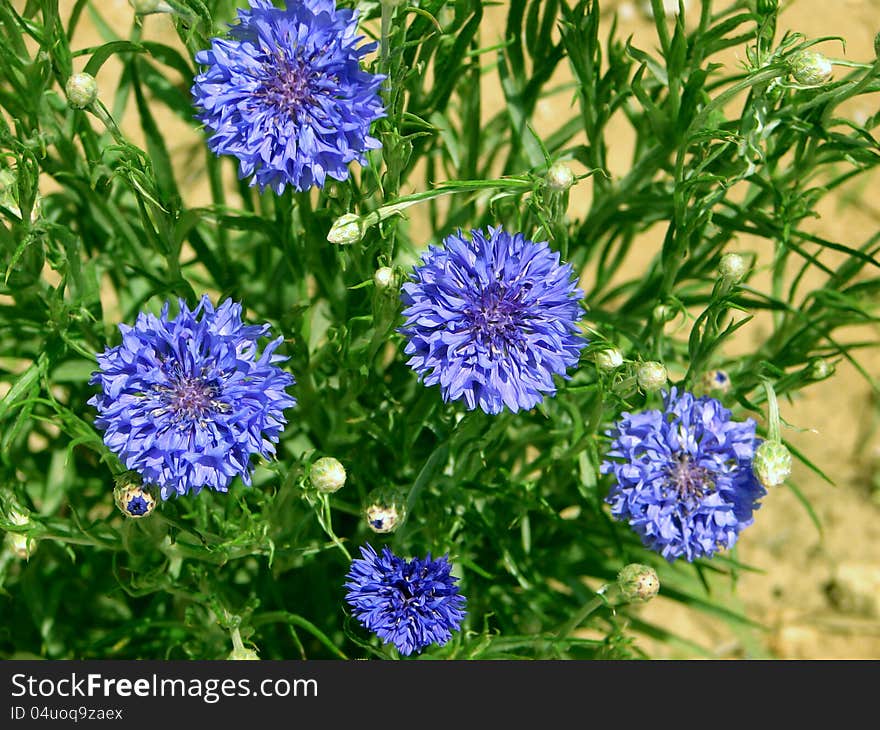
(495, 317)
(690, 481)
(189, 399)
(288, 85)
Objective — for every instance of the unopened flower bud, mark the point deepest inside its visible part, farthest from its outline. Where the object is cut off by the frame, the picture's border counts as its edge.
(144, 7)
(610, 359)
(638, 583)
(651, 376)
(327, 475)
(346, 230)
(821, 369)
(385, 511)
(243, 653)
(670, 7)
(559, 177)
(131, 498)
(733, 267)
(82, 90)
(810, 68)
(772, 463)
(766, 7)
(715, 380)
(662, 313)
(383, 278)
(21, 545)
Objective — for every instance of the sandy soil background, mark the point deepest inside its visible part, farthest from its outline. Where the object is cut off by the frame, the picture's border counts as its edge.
(819, 594)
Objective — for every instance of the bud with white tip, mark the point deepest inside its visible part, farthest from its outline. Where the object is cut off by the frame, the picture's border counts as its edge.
(81, 90)
(609, 359)
(346, 230)
(327, 475)
(638, 583)
(733, 267)
(810, 68)
(559, 177)
(662, 313)
(651, 376)
(772, 463)
(383, 278)
(821, 369)
(21, 545)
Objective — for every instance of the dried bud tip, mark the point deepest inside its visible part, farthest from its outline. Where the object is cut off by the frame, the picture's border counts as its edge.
(638, 583)
(82, 90)
(327, 475)
(772, 463)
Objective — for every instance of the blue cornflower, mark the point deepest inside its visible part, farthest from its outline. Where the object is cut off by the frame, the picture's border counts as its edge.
(684, 478)
(492, 319)
(186, 402)
(409, 603)
(286, 95)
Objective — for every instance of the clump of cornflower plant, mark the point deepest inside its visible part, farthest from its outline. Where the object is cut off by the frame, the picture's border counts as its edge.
(492, 318)
(683, 476)
(186, 402)
(409, 603)
(287, 96)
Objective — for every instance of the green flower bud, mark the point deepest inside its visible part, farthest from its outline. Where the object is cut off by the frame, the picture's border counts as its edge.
(651, 376)
(346, 230)
(638, 583)
(772, 463)
(384, 277)
(662, 313)
(21, 545)
(145, 7)
(327, 475)
(767, 7)
(559, 177)
(82, 90)
(385, 511)
(810, 68)
(821, 369)
(610, 359)
(733, 267)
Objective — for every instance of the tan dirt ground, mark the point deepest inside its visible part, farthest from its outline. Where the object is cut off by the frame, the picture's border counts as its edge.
(818, 595)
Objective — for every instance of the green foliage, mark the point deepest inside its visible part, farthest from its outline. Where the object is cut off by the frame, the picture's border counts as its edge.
(95, 228)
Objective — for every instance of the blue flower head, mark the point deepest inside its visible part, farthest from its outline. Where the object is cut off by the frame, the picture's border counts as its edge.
(409, 603)
(683, 476)
(492, 318)
(286, 95)
(186, 402)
